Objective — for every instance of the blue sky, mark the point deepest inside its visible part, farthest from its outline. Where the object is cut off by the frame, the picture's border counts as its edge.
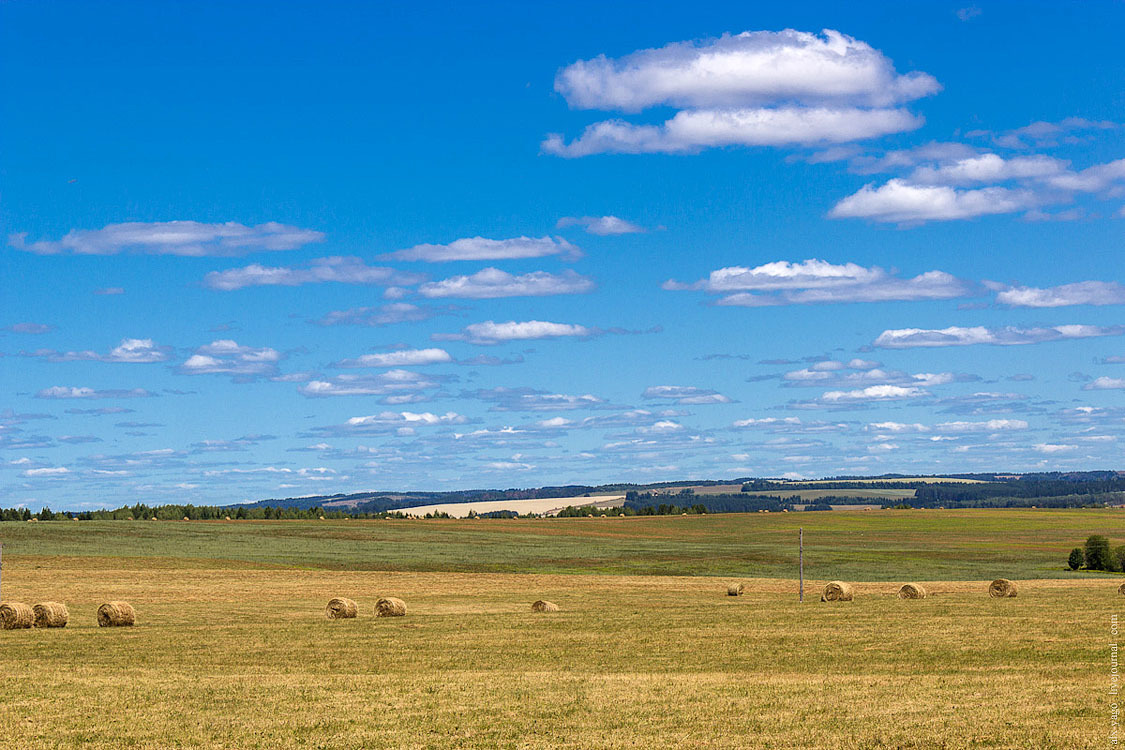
(271, 250)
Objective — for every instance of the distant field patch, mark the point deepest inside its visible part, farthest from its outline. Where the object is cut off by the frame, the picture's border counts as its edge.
(541, 505)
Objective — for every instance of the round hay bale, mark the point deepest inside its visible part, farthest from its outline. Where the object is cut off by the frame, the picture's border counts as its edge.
(341, 609)
(388, 606)
(33, 520)
(1001, 588)
(186, 518)
(544, 606)
(1121, 589)
(226, 518)
(16, 616)
(837, 591)
(116, 615)
(735, 589)
(912, 591)
(51, 615)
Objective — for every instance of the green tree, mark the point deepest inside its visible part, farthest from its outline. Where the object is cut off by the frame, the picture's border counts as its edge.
(1119, 557)
(1077, 557)
(1097, 553)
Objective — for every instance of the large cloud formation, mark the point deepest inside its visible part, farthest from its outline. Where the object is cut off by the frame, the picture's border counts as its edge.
(757, 88)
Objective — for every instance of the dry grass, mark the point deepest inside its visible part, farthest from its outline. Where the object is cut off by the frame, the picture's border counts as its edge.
(632, 662)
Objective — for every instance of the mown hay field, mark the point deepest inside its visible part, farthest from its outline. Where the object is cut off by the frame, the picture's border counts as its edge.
(237, 653)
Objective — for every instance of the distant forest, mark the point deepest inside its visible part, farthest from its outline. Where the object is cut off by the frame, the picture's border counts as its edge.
(1044, 490)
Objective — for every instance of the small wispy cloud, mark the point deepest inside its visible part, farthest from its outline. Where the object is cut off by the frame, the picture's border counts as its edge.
(492, 283)
(490, 332)
(191, 238)
(341, 270)
(136, 351)
(71, 392)
(482, 248)
(903, 338)
(600, 225)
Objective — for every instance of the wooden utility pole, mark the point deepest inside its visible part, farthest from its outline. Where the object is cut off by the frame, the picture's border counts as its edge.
(801, 564)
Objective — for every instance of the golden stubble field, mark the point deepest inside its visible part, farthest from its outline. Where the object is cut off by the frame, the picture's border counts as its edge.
(230, 656)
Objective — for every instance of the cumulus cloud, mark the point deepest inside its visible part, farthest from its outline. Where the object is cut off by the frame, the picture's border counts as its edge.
(482, 248)
(191, 238)
(758, 88)
(402, 423)
(395, 386)
(902, 202)
(227, 357)
(1051, 448)
(685, 395)
(903, 338)
(529, 399)
(600, 225)
(816, 281)
(70, 392)
(490, 283)
(693, 130)
(754, 67)
(383, 315)
(129, 350)
(400, 358)
(859, 373)
(490, 332)
(1079, 293)
(873, 393)
(343, 270)
(1105, 384)
(988, 167)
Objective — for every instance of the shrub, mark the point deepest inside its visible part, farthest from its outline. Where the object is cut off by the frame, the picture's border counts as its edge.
(1076, 558)
(1119, 557)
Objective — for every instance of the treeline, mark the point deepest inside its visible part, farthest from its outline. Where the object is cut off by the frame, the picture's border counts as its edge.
(728, 503)
(143, 512)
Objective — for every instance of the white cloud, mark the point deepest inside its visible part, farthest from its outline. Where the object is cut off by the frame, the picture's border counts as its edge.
(757, 88)
(491, 332)
(490, 283)
(68, 392)
(226, 357)
(54, 471)
(1079, 293)
(991, 425)
(401, 358)
(816, 281)
(988, 168)
(401, 386)
(905, 203)
(903, 338)
(1050, 448)
(481, 248)
(1092, 179)
(685, 395)
(874, 393)
(129, 350)
(692, 130)
(529, 399)
(600, 225)
(1105, 384)
(402, 423)
(754, 67)
(344, 270)
(190, 238)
